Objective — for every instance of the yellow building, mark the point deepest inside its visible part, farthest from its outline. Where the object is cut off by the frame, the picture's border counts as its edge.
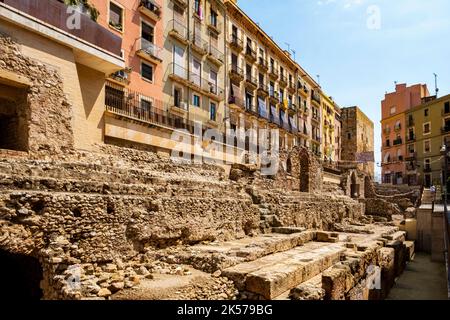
(328, 127)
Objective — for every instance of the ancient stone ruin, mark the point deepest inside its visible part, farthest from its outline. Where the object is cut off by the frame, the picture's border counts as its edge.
(120, 223)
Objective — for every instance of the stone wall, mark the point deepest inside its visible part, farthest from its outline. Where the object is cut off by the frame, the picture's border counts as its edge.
(50, 114)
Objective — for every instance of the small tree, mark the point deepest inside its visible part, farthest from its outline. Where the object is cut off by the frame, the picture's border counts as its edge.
(89, 8)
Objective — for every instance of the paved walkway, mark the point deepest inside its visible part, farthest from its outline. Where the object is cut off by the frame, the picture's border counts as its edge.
(422, 280)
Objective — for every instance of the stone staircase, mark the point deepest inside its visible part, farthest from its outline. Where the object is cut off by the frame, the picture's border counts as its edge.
(303, 265)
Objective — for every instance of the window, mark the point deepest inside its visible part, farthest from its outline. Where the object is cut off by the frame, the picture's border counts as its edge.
(427, 128)
(147, 71)
(146, 105)
(196, 100)
(115, 16)
(427, 164)
(349, 136)
(427, 146)
(447, 107)
(213, 18)
(147, 33)
(212, 111)
(426, 112)
(198, 8)
(248, 100)
(411, 148)
(393, 110)
(213, 82)
(177, 97)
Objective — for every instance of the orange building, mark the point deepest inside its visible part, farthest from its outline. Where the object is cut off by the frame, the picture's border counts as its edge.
(139, 24)
(393, 124)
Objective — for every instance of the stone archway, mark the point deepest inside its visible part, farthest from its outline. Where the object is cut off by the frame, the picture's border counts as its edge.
(289, 166)
(354, 186)
(22, 277)
(304, 172)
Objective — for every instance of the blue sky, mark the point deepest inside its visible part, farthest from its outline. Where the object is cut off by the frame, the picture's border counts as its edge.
(361, 47)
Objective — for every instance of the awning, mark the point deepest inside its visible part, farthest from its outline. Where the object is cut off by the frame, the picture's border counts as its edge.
(284, 120)
(293, 124)
(274, 115)
(262, 110)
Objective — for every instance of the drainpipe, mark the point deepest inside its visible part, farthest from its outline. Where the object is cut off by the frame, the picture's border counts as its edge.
(446, 219)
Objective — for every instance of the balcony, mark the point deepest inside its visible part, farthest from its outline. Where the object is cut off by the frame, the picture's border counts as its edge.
(291, 87)
(151, 9)
(121, 77)
(445, 129)
(214, 25)
(292, 108)
(250, 54)
(181, 3)
(398, 142)
(446, 111)
(134, 106)
(178, 31)
(283, 81)
(93, 45)
(387, 131)
(236, 43)
(251, 82)
(178, 73)
(198, 45)
(412, 156)
(315, 97)
(215, 56)
(274, 97)
(316, 118)
(303, 90)
(263, 89)
(398, 127)
(411, 138)
(273, 73)
(236, 101)
(262, 64)
(251, 109)
(236, 73)
(427, 169)
(411, 122)
(149, 51)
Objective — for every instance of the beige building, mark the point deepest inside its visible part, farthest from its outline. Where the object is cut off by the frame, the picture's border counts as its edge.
(357, 140)
(70, 65)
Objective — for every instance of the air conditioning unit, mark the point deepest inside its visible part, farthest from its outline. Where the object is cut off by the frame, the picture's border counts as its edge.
(122, 74)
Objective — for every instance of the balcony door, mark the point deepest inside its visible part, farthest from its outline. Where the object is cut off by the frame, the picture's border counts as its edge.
(179, 62)
(196, 72)
(147, 38)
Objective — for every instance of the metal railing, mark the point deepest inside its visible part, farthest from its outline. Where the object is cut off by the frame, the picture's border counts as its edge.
(250, 52)
(198, 42)
(216, 53)
(237, 70)
(132, 104)
(236, 41)
(315, 96)
(214, 23)
(273, 71)
(179, 27)
(152, 6)
(56, 14)
(150, 48)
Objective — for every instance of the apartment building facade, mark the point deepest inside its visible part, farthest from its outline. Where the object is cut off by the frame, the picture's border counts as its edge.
(177, 68)
(357, 140)
(66, 65)
(329, 128)
(428, 129)
(393, 123)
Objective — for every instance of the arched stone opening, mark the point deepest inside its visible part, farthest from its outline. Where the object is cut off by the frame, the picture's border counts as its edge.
(22, 275)
(289, 166)
(304, 172)
(354, 186)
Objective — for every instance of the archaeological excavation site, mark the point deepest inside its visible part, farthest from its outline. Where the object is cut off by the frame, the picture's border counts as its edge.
(93, 205)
